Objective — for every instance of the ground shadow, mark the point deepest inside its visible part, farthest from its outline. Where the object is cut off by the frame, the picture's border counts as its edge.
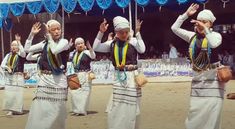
(91, 112)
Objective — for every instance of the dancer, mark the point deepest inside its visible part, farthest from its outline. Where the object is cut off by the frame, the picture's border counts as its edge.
(81, 61)
(48, 110)
(13, 64)
(125, 108)
(206, 91)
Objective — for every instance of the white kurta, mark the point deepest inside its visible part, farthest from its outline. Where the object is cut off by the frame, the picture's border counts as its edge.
(124, 110)
(48, 109)
(80, 97)
(14, 87)
(206, 91)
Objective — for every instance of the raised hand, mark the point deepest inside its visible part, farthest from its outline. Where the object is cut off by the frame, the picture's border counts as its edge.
(36, 28)
(104, 26)
(192, 9)
(46, 28)
(138, 25)
(199, 24)
(71, 42)
(88, 45)
(47, 35)
(17, 37)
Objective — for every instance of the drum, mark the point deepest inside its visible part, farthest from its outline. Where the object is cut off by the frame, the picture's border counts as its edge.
(224, 73)
(73, 82)
(140, 80)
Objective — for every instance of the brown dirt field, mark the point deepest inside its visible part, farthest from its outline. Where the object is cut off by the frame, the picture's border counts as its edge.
(164, 106)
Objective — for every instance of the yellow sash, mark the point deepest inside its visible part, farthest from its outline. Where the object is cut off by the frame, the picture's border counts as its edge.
(12, 61)
(124, 54)
(77, 58)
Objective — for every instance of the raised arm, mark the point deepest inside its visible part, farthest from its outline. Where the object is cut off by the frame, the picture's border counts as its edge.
(34, 30)
(176, 27)
(90, 52)
(97, 45)
(138, 42)
(182, 33)
(28, 42)
(28, 47)
(21, 51)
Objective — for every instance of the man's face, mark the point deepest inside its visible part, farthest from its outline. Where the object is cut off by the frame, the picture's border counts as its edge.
(14, 46)
(123, 34)
(80, 46)
(200, 29)
(55, 31)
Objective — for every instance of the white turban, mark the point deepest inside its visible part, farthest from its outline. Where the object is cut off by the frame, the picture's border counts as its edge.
(206, 15)
(15, 41)
(51, 22)
(79, 40)
(120, 23)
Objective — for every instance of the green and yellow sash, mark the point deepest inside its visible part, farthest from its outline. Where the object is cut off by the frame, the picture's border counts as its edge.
(120, 77)
(12, 61)
(192, 48)
(54, 61)
(77, 59)
(202, 61)
(117, 53)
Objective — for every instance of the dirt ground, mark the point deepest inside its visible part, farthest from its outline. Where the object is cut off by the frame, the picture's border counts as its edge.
(164, 106)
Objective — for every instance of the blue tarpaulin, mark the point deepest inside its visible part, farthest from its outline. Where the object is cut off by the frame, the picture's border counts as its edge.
(19, 7)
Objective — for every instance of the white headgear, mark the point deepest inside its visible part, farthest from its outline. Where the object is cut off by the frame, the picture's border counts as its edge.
(51, 22)
(15, 41)
(120, 23)
(79, 40)
(206, 15)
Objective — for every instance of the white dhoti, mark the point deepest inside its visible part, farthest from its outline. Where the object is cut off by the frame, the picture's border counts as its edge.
(124, 110)
(48, 110)
(13, 95)
(80, 97)
(206, 102)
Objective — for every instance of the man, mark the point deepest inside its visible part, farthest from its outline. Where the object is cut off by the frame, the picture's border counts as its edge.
(173, 52)
(206, 91)
(48, 110)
